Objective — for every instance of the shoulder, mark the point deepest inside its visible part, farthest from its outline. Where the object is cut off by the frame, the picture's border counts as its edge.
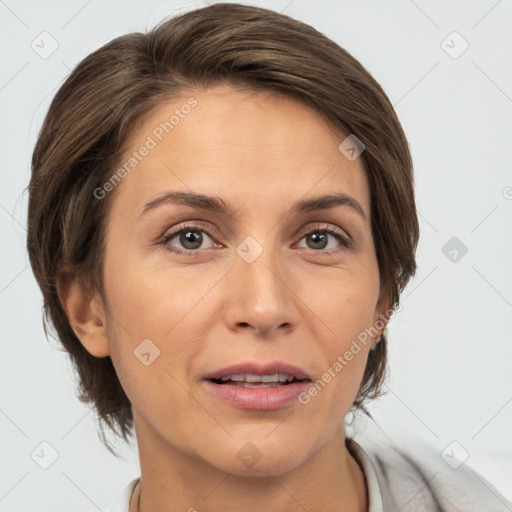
(416, 477)
(121, 502)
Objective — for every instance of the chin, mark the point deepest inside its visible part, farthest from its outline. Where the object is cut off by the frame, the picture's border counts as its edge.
(259, 458)
(266, 466)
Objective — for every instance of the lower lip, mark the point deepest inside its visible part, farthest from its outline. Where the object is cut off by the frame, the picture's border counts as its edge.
(263, 399)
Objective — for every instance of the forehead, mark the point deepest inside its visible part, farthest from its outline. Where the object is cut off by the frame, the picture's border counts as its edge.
(238, 144)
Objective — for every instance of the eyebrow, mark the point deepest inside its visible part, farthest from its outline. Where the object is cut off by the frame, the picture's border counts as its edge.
(218, 205)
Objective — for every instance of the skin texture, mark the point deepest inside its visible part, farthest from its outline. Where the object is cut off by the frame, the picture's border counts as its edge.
(260, 153)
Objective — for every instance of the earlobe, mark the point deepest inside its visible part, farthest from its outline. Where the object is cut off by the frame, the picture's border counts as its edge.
(85, 314)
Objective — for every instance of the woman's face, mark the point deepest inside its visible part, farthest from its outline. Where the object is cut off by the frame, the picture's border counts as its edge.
(260, 282)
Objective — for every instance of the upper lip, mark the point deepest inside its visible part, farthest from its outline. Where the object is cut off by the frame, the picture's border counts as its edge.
(259, 369)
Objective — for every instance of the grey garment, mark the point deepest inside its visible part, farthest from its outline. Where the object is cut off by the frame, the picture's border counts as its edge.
(414, 477)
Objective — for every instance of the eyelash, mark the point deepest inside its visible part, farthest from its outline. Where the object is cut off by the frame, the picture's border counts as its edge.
(319, 228)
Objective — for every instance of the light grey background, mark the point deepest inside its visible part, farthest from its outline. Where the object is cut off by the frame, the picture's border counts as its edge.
(450, 345)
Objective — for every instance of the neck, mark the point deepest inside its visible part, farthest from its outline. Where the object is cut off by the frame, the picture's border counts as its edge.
(172, 481)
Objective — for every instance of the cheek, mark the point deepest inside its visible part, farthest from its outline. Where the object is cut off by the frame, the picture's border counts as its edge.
(335, 390)
(158, 311)
(148, 300)
(348, 310)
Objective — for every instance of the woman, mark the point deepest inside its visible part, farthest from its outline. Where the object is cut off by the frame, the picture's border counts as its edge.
(221, 221)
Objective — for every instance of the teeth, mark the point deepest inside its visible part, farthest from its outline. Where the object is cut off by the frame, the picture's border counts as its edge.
(258, 384)
(249, 377)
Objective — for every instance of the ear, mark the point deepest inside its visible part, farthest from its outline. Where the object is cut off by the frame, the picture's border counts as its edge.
(85, 313)
(383, 312)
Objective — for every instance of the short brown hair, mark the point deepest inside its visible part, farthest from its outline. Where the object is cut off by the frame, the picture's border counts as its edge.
(113, 89)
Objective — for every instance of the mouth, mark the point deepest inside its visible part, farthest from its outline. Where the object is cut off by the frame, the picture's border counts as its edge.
(258, 387)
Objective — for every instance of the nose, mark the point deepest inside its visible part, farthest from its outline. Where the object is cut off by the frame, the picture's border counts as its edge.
(260, 296)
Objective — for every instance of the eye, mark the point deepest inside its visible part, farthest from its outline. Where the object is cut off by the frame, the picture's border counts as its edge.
(318, 236)
(190, 237)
